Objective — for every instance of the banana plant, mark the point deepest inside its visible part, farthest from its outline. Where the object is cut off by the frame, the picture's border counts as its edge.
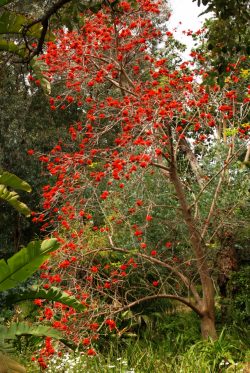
(19, 268)
(9, 180)
(52, 294)
(9, 335)
(25, 262)
(17, 329)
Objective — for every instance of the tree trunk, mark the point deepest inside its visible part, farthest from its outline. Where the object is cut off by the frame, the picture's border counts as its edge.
(208, 329)
(207, 306)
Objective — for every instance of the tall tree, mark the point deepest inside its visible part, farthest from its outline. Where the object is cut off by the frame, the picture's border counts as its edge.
(154, 143)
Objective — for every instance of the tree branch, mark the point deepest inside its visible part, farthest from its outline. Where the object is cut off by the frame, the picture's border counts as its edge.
(160, 296)
(212, 178)
(216, 194)
(181, 276)
(44, 20)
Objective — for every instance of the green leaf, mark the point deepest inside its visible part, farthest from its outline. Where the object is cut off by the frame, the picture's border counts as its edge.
(53, 294)
(8, 179)
(13, 23)
(13, 181)
(39, 67)
(25, 262)
(23, 328)
(11, 47)
(13, 199)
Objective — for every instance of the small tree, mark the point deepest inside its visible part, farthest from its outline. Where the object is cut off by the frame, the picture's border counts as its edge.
(141, 191)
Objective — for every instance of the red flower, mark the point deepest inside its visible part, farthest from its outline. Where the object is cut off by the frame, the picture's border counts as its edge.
(44, 158)
(48, 313)
(225, 108)
(155, 283)
(30, 152)
(125, 6)
(111, 323)
(38, 302)
(168, 244)
(91, 352)
(104, 194)
(64, 264)
(86, 341)
(153, 252)
(139, 202)
(94, 326)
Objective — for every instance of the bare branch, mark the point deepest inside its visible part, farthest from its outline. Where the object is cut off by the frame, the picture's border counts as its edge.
(231, 158)
(185, 301)
(216, 194)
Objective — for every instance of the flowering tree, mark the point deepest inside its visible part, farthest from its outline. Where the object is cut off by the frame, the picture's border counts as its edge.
(141, 189)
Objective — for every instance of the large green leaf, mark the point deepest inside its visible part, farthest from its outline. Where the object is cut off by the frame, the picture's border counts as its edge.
(8, 179)
(13, 199)
(13, 181)
(53, 294)
(15, 330)
(24, 328)
(25, 262)
(13, 23)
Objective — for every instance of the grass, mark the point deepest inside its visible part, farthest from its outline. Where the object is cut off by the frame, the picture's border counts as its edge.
(170, 345)
(138, 356)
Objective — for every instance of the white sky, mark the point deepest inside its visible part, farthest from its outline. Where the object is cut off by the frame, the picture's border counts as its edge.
(186, 12)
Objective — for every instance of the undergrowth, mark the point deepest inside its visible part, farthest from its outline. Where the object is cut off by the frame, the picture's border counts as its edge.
(171, 345)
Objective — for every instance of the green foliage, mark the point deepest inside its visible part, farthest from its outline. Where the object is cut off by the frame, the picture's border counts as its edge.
(24, 328)
(10, 180)
(227, 36)
(239, 297)
(12, 23)
(25, 262)
(26, 122)
(38, 67)
(13, 199)
(210, 356)
(53, 294)
(224, 355)
(11, 47)
(10, 335)
(13, 181)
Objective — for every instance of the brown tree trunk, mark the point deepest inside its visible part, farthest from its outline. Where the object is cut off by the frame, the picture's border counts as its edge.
(207, 305)
(208, 329)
